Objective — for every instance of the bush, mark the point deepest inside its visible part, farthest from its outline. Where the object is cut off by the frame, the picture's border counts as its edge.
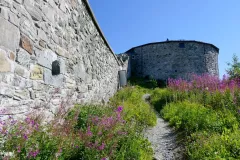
(193, 117)
(205, 145)
(147, 83)
(135, 108)
(135, 146)
(160, 97)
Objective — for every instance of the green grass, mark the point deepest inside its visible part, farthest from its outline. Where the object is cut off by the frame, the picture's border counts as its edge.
(135, 107)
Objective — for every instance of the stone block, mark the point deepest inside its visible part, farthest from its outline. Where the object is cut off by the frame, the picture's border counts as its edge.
(23, 58)
(52, 3)
(28, 28)
(6, 3)
(62, 52)
(4, 13)
(14, 19)
(26, 44)
(21, 94)
(12, 56)
(79, 71)
(49, 13)
(62, 6)
(42, 43)
(55, 38)
(20, 71)
(70, 83)
(36, 72)
(34, 11)
(56, 80)
(5, 64)
(7, 78)
(42, 35)
(38, 86)
(74, 3)
(21, 82)
(45, 58)
(10, 35)
(6, 90)
(82, 88)
(19, 1)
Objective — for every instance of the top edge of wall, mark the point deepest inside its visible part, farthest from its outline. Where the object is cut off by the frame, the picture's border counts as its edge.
(100, 31)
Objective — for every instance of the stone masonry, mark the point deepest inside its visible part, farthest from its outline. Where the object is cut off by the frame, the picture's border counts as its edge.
(35, 34)
(172, 59)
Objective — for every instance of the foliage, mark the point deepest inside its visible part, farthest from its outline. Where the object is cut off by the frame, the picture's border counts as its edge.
(193, 117)
(85, 132)
(234, 70)
(135, 108)
(160, 97)
(205, 145)
(207, 110)
(148, 83)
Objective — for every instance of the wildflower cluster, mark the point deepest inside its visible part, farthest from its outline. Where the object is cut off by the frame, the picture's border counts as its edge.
(204, 82)
(31, 139)
(207, 110)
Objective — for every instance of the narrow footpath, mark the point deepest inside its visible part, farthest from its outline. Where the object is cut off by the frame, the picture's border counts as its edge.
(164, 140)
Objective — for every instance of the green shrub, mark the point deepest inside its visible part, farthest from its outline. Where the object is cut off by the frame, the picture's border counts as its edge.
(160, 97)
(205, 145)
(86, 112)
(135, 146)
(147, 82)
(135, 108)
(192, 117)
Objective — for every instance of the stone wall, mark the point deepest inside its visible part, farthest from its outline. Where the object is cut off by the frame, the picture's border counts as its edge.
(173, 59)
(50, 51)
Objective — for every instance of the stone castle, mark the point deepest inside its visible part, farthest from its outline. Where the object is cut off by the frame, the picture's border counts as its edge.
(54, 50)
(172, 59)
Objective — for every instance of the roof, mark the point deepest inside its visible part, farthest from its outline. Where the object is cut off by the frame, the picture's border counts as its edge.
(170, 41)
(100, 31)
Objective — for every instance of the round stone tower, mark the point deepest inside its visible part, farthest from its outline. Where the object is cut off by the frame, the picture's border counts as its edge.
(173, 59)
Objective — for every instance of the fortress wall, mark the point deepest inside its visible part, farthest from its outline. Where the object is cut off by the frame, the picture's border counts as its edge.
(36, 36)
(164, 60)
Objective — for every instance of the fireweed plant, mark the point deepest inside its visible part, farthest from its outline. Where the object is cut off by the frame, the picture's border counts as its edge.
(206, 110)
(84, 132)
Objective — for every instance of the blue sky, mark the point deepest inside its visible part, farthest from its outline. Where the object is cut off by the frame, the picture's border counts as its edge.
(129, 23)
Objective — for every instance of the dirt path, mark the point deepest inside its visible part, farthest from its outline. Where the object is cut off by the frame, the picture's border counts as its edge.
(164, 141)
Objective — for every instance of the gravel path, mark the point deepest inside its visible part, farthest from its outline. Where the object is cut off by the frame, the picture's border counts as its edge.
(163, 139)
(164, 143)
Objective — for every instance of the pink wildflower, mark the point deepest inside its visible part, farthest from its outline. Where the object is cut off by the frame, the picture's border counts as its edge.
(119, 109)
(18, 149)
(100, 148)
(89, 133)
